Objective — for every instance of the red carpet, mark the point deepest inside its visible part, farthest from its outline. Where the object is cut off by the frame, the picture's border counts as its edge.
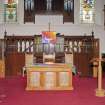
(12, 92)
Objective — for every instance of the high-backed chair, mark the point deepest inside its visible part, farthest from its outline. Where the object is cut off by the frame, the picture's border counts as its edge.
(48, 58)
(69, 58)
(28, 62)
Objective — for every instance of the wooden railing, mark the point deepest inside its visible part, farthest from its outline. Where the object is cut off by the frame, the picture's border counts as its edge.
(19, 43)
(72, 44)
(81, 44)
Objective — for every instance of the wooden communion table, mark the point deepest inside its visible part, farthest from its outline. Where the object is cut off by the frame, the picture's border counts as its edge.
(49, 77)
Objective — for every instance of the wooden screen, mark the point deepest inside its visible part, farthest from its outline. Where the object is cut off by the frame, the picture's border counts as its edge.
(15, 48)
(83, 48)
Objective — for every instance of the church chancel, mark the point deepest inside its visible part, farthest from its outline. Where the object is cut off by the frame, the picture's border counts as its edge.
(49, 75)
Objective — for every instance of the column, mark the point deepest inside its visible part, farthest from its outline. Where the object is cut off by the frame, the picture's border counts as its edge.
(20, 11)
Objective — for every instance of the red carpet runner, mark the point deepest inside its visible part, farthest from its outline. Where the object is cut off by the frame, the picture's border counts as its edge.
(12, 92)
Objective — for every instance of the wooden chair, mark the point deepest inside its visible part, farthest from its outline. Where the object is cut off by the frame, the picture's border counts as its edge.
(28, 62)
(69, 58)
(48, 58)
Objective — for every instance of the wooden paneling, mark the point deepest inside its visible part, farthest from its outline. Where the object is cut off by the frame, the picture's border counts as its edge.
(2, 69)
(14, 63)
(59, 57)
(82, 64)
(38, 57)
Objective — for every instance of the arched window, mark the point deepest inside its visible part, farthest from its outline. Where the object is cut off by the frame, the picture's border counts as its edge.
(68, 5)
(29, 5)
(10, 12)
(49, 5)
(87, 11)
(68, 15)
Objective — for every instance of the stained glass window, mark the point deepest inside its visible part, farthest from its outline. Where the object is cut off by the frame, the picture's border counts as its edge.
(87, 11)
(10, 12)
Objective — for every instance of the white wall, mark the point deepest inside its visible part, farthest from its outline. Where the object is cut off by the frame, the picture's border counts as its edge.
(57, 24)
(1, 13)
